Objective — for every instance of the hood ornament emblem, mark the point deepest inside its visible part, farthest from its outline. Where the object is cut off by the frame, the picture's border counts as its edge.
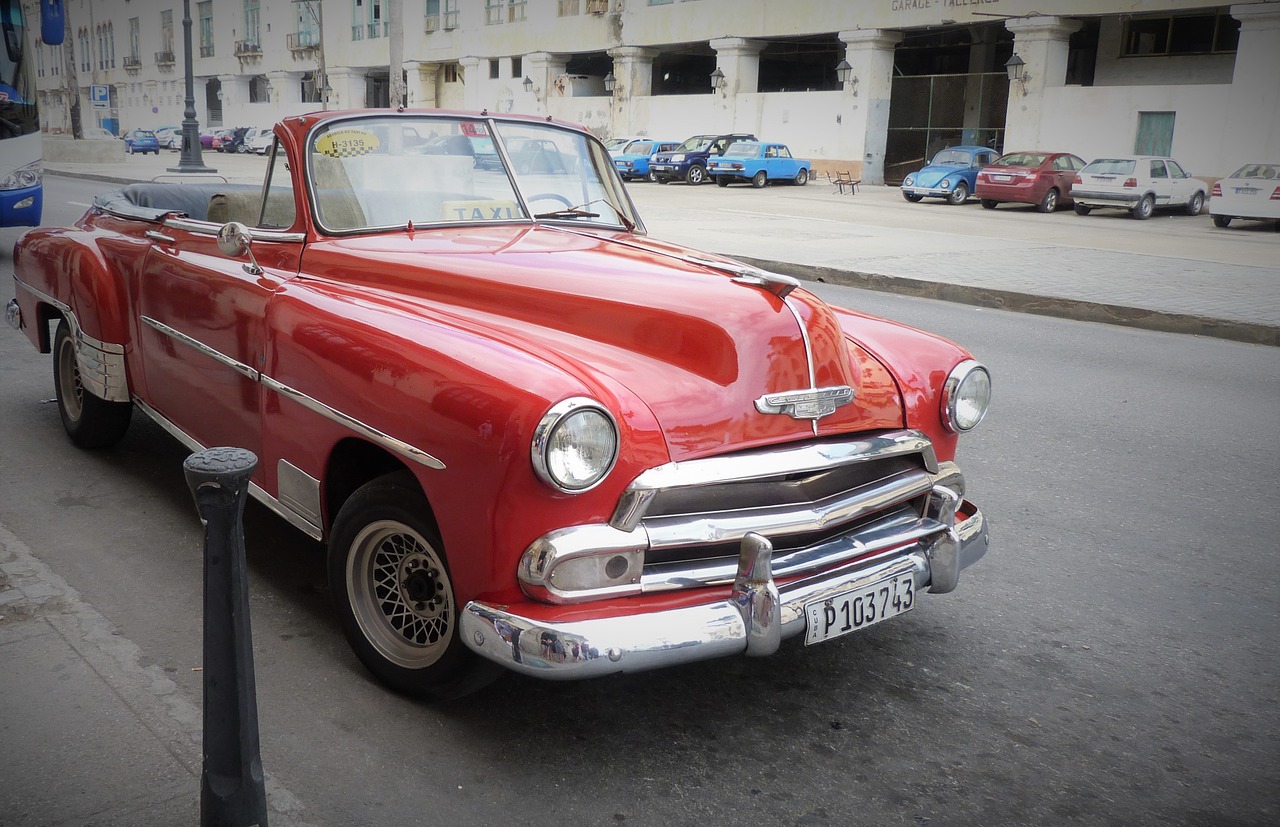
(809, 403)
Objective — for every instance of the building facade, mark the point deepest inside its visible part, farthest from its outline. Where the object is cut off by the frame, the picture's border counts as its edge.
(874, 86)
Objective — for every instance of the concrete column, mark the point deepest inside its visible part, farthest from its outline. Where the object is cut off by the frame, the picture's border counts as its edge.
(470, 82)
(542, 68)
(1254, 109)
(1042, 43)
(633, 69)
(348, 87)
(981, 57)
(739, 59)
(865, 115)
(235, 91)
(286, 87)
(422, 83)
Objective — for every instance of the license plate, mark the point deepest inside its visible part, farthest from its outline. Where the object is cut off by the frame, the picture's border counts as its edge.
(1246, 191)
(859, 608)
(1004, 179)
(660, 166)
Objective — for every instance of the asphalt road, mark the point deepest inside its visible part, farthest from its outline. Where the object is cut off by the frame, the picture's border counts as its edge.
(1111, 660)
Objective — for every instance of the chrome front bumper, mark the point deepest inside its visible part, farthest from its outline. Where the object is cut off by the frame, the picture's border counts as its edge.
(753, 620)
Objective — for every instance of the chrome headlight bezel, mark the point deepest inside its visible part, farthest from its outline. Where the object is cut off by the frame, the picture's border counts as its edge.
(967, 389)
(565, 414)
(23, 177)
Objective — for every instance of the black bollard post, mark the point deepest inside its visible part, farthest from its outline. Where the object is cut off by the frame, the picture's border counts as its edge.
(232, 793)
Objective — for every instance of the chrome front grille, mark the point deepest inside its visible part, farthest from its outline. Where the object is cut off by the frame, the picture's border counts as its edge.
(681, 525)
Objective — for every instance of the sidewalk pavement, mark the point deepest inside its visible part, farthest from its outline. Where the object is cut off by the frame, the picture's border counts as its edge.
(1171, 273)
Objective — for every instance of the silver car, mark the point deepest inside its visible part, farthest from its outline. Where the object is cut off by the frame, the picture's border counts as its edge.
(1137, 183)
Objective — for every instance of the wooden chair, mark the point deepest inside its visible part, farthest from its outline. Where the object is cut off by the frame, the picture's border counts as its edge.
(843, 180)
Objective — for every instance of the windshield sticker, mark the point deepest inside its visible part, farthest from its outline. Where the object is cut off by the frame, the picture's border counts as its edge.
(347, 143)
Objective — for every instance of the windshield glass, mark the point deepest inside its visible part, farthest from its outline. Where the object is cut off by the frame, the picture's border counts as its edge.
(17, 86)
(741, 150)
(1110, 166)
(952, 157)
(393, 171)
(695, 143)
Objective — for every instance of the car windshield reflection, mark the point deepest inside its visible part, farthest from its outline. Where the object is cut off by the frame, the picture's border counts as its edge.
(397, 171)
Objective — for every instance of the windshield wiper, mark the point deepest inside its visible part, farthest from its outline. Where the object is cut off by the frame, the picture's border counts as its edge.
(580, 212)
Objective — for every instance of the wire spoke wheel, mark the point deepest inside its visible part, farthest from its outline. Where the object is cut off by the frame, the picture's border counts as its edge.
(400, 594)
(70, 388)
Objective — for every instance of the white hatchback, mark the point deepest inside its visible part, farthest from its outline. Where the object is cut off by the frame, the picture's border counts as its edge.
(1253, 191)
(1137, 183)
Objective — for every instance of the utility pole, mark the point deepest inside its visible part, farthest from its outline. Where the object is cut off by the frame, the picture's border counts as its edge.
(73, 86)
(396, 69)
(192, 160)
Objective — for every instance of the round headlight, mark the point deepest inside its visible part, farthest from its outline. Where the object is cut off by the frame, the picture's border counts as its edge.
(965, 396)
(575, 445)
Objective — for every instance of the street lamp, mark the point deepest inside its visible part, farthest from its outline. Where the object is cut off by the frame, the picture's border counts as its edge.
(1017, 69)
(192, 160)
(844, 74)
(531, 89)
(610, 83)
(717, 80)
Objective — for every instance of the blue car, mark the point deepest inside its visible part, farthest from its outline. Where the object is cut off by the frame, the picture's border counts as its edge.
(141, 140)
(688, 162)
(632, 160)
(759, 163)
(952, 174)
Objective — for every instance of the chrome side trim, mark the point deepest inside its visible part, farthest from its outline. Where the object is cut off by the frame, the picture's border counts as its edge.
(192, 225)
(160, 237)
(385, 440)
(754, 465)
(217, 356)
(298, 521)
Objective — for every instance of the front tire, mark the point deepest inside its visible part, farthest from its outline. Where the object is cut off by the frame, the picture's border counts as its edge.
(802, 177)
(1142, 210)
(912, 197)
(697, 174)
(90, 422)
(959, 194)
(394, 596)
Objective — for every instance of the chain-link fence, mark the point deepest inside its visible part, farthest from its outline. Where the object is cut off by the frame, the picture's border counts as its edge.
(931, 112)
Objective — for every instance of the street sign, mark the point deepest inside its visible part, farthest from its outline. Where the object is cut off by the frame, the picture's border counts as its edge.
(100, 95)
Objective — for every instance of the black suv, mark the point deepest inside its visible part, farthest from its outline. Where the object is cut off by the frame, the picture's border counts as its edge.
(689, 160)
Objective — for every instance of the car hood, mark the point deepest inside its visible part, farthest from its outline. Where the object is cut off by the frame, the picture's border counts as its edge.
(692, 344)
(932, 175)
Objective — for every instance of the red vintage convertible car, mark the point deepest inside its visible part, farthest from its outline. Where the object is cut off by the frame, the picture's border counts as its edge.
(529, 434)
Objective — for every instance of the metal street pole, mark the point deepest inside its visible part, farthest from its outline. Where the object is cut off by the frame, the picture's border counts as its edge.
(192, 160)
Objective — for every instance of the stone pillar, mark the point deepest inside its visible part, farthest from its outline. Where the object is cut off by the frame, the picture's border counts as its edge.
(1253, 111)
(235, 90)
(348, 87)
(471, 78)
(1042, 44)
(865, 115)
(542, 68)
(739, 59)
(633, 70)
(286, 87)
(422, 83)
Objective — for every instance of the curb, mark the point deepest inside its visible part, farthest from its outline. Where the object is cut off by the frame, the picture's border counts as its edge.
(1061, 308)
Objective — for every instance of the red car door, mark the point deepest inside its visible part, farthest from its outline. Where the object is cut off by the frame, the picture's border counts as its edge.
(202, 329)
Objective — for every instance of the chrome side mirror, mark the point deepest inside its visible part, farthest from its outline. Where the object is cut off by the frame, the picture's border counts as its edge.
(234, 240)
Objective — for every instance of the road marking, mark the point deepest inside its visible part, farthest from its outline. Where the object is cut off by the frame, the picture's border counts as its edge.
(79, 204)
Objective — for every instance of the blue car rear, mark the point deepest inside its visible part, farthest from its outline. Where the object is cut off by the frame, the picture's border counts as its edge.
(141, 140)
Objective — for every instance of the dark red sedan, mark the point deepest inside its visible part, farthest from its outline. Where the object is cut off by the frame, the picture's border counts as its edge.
(1040, 178)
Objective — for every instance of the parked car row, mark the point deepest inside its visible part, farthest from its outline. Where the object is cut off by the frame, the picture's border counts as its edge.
(1139, 184)
(730, 158)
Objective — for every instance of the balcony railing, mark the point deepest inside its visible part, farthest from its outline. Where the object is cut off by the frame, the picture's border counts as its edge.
(248, 48)
(431, 23)
(515, 11)
(451, 20)
(303, 41)
(206, 50)
(132, 63)
(492, 15)
(377, 30)
(569, 8)
(164, 58)
(597, 6)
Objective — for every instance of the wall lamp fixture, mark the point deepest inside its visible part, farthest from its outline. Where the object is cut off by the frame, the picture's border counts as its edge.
(529, 87)
(844, 74)
(717, 81)
(1017, 69)
(610, 83)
